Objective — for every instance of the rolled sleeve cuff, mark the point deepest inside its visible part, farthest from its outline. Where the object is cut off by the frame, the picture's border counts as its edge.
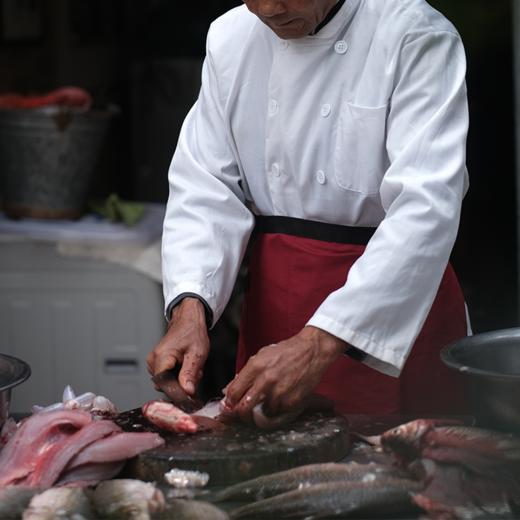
(192, 291)
(178, 299)
(384, 360)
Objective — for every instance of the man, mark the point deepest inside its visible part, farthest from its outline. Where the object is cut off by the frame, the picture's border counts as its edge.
(336, 131)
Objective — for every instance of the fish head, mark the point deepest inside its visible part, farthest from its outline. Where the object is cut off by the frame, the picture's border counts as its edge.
(406, 440)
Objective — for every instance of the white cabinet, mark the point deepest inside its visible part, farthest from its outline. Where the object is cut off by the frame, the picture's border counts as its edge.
(77, 321)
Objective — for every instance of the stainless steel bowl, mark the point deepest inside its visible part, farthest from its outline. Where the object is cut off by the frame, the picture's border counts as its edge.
(13, 371)
(490, 363)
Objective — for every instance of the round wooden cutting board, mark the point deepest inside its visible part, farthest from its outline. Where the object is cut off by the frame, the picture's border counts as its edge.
(239, 452)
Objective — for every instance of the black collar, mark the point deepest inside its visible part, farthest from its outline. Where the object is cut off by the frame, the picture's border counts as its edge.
(329, 16)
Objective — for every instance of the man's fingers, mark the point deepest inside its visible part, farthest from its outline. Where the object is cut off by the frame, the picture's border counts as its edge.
(166, 361)
(150, 361)
(191, 370)
(242, 382)
(282, 402)
(253, 397)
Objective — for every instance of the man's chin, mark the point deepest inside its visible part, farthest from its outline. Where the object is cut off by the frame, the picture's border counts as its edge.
(290, 31)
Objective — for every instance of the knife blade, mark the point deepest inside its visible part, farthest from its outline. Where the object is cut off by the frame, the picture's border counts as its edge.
(168, 383)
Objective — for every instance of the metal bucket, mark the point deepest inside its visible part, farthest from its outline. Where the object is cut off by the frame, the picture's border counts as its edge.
(490, 363)
(47, 161)
(13, 371)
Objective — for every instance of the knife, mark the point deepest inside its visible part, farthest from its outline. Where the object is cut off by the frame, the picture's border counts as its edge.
(168, 383)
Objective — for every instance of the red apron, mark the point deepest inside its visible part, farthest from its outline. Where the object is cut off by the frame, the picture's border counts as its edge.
(290, 275)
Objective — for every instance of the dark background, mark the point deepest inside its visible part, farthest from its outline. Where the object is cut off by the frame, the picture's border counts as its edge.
(145, 57)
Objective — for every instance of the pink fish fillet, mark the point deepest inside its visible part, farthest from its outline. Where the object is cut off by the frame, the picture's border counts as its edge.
(49, 467)
(90, 474)
(117, 447)
(35, 437)
(168, 417)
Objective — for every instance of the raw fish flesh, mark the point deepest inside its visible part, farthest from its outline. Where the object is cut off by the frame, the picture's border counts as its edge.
(90, 474)
(170, 418)
(54, 461)
(35, 436)
(116, 447)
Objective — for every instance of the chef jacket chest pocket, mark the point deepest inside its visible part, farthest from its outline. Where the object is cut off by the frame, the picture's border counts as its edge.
(360, 158)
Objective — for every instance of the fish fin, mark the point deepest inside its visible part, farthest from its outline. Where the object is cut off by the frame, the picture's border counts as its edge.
(372, 440)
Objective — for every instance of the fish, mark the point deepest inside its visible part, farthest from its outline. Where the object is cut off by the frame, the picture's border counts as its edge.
(191, 510)
(68, 394)
(476, 448)
(103, 407)
(68, 447)
(32, 441)
(304, 476)
(167, 416)
(336, 499)
(442, 511)
(14, 500)
(168, 383)
(8, 430)
(456, 443)
(269, 422)
(80, 402)
(55, 460)
(97, 405)
(116, 447)
(127, 499)
(314, 402)
(407, 439)
(59, 503)
(456, 492)
(90, 474)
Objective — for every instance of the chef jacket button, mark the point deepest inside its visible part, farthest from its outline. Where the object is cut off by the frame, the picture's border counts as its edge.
(320, 177)
(284, 44)
(275, 169)
(273, 107)
(341, 47)
(325, 110)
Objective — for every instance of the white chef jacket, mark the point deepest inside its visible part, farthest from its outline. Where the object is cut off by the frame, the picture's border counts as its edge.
(362, 124)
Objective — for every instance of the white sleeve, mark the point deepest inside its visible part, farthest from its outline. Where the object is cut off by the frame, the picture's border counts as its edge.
(207, 225)
(390, 289)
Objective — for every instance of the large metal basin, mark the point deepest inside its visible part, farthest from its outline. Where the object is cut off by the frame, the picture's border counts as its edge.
(490, 363)
(13, 371)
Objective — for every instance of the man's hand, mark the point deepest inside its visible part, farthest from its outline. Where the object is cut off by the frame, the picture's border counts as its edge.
(283, 375)
(186, 342)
